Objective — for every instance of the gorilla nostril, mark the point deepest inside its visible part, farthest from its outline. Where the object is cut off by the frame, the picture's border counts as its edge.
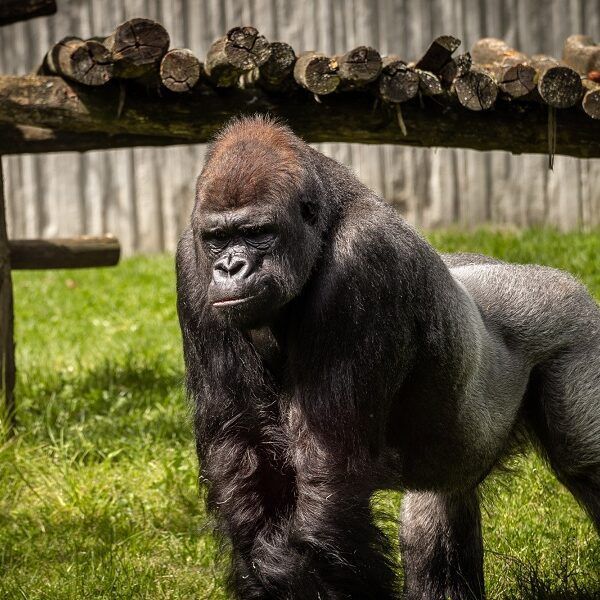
(236, 266)
(231, 267)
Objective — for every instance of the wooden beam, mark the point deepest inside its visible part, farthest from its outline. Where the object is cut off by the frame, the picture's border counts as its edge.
(47, 114)
(12, 11)
(66, 253)
(7, 344)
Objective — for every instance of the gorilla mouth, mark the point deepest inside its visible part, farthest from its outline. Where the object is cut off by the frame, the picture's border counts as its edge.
(226, 302)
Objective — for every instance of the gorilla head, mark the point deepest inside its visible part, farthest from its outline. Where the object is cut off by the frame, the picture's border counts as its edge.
(255, 219)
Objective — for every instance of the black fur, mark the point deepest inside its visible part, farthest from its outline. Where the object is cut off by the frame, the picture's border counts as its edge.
(356, 373)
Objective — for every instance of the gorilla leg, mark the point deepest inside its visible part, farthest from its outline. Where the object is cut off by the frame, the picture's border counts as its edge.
(251, 495)
(440, 538)
(567, 421)
(334, 530)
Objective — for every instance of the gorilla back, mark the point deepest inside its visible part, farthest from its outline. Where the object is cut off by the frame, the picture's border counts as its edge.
(331, 352)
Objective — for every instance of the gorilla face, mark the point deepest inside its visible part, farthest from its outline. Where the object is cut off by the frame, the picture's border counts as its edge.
(257, 260)
(257, 222)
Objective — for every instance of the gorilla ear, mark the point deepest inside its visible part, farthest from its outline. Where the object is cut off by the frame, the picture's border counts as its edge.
(309, 211)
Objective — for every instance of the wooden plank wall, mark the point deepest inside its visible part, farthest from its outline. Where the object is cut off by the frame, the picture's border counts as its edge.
(144, 195)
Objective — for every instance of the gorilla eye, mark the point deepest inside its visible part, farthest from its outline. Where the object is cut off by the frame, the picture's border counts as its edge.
(217, 239)
(259, 236)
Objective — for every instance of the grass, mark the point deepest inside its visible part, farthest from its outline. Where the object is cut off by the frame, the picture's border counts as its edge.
(98, 492)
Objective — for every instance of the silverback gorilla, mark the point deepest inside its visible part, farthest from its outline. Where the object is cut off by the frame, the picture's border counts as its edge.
(331, 352)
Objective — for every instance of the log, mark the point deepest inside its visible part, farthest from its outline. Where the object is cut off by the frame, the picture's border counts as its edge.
(65, 253)
(317, 73)
(91, 64)
(276, 74)
(87, 62)
(591, 98)
(47, 114)
(581, 53)
(429, 84)
(7, 344)
(398, 82)
(511, 68)
(359, 67)
(476, 90)
(58, 59)
(180, 70)
(438, 54)
(558, 85)
(241, 50)
(137, 47)
(456, 67)
(13, 11)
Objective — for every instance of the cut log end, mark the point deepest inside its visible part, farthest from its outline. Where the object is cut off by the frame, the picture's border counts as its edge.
(277, 72)
(180, 70)
(476, 90)
(560, 87)
(91, 64)
(429, 84)
(398, 82)
(317, 73)
(518, 80)
(246, 48)
(243, 49)
(591, 100)
(137, 46)
(360, 66)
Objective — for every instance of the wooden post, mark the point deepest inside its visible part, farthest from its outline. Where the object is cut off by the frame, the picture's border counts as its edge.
(7, 345)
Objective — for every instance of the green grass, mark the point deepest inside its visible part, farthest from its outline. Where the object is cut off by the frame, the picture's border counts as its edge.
(98, 492)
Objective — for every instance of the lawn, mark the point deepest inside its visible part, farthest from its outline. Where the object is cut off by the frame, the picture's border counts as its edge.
(98, 492)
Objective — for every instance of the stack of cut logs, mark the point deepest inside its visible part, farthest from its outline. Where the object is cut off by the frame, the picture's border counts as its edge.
(138, 51)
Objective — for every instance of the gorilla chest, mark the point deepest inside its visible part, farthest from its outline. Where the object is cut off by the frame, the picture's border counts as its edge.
(268, 349)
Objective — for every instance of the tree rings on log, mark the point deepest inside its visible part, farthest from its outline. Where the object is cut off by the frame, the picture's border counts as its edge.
(515, 76)
(591, 99)
(398, 82)
(359, 66)
(91, 63)
(179, 70)
(241, 50)
(476, 90)
(137, 47)
(317, 73)
(558, 85)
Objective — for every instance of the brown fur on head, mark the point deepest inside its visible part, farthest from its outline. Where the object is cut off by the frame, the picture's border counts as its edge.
(251, 161)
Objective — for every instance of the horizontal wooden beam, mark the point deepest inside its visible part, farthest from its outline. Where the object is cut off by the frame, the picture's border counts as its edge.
(46, 114)
(64, 253)
(12, 11)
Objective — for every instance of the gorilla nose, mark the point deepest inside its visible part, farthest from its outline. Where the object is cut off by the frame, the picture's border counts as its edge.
(231, 266)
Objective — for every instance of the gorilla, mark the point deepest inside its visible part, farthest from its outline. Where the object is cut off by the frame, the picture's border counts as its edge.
(331, 352)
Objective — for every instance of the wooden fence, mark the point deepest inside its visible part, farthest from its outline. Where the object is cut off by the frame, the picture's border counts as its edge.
(144, 195)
